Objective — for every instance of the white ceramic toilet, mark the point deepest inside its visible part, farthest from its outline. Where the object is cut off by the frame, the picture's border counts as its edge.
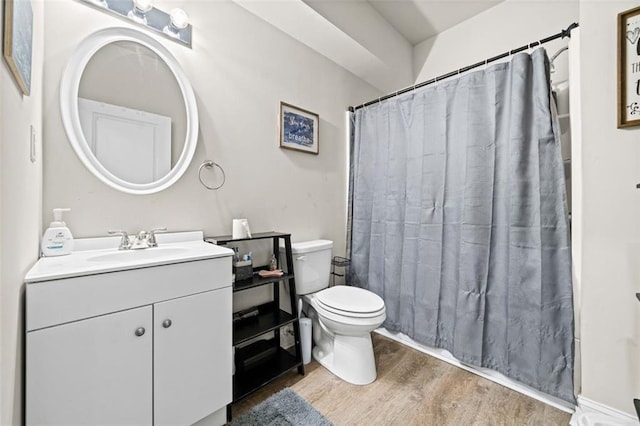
(343, 317)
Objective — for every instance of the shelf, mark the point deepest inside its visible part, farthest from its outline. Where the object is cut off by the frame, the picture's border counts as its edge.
(257, 280)
(224, 239)
(259, 362)
(268, 320)
(254, 378)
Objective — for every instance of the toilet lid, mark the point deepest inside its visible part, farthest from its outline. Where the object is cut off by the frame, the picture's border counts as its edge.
(350, 299)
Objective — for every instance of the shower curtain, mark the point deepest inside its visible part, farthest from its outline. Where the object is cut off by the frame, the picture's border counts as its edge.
(459, 221)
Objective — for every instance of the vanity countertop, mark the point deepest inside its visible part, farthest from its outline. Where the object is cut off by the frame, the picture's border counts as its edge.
(100, 255)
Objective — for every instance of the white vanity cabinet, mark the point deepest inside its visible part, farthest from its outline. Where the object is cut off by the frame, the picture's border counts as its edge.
(192, 357)
(95, 371)
(143, 346)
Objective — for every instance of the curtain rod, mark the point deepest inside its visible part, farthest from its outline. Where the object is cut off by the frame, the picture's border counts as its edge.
(561, 34)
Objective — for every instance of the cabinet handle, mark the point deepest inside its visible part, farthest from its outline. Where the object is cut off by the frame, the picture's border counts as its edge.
(166, 323)
(140, 331)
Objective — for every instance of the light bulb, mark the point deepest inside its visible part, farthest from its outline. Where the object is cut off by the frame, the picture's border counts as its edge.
(140, 7)
(143, 5)
(179, 18)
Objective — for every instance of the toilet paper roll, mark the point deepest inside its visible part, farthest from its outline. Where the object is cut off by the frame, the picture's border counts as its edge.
(240, 229)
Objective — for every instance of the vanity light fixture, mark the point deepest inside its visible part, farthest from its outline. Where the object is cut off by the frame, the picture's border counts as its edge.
(174, 25)
(178, 21)
(139, 10)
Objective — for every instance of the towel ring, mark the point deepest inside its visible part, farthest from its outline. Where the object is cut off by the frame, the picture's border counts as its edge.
(209, 165)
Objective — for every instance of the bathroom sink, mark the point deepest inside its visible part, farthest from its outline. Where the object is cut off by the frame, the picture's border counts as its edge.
(142, 254)
(100, 255)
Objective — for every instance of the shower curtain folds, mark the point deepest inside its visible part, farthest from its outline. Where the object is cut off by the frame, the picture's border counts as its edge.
(459, 220)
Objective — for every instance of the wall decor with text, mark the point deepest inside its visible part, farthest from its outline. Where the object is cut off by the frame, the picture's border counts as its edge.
(298, 129)
(629, 68)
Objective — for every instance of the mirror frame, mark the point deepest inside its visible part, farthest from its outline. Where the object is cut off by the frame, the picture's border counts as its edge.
(69, 88)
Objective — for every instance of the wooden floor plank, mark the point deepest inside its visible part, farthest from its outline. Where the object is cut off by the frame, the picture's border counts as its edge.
(412, 388)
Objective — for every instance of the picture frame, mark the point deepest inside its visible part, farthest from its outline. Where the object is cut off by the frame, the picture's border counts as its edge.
(18, 41)
(629, 68)
(299, 129)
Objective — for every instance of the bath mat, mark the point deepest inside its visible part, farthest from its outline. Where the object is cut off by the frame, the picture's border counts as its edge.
(285, 408)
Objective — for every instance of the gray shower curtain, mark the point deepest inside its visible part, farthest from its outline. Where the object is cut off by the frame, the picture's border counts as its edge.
(459, 221)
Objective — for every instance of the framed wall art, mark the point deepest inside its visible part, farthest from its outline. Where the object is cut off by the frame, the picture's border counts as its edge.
(629, 68)
(298, 129)
(18, 41)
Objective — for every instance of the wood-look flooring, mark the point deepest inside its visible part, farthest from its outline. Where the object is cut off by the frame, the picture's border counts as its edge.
(412, 388)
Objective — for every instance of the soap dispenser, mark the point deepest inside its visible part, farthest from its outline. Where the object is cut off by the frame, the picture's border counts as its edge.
(57, 239)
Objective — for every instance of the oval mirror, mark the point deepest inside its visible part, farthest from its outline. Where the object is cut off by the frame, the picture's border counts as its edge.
(129, 111)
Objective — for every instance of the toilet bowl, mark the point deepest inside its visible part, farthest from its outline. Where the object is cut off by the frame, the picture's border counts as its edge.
(343, 317)
(343, 335)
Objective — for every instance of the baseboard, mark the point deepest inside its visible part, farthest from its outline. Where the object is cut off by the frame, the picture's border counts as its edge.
(592, 413)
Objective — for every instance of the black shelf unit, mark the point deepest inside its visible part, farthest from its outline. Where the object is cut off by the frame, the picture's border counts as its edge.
(264, 360)
(257, 281)
(265, 372)
(269, 318)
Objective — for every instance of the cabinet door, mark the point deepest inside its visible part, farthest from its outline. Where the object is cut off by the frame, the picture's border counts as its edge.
(192, 357)
(95, 371)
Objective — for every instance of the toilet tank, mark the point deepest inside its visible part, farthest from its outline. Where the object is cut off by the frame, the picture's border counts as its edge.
(311, 265)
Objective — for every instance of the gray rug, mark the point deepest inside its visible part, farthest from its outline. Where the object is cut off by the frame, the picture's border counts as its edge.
(285, 408)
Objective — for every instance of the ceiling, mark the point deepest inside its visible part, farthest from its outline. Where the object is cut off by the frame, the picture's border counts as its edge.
(373, 39)
(418, 20)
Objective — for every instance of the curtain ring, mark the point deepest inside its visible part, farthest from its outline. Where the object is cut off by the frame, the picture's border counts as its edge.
(209, 165)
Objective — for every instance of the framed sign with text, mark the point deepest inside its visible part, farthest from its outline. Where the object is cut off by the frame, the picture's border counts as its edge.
(298, 129)
(629, 68)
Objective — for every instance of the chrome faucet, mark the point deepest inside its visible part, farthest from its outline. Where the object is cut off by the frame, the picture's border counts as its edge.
(142, 240)
(151, 239)
(125, 242)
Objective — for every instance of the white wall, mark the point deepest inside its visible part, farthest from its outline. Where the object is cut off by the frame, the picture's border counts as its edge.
(240, 68)
(611, 229)
(504, 27)
(20, 215)
(364, 24)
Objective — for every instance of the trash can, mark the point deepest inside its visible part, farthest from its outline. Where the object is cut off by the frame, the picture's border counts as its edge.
(305, 339)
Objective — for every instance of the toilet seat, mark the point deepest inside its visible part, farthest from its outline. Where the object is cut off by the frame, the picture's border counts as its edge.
(350, 302)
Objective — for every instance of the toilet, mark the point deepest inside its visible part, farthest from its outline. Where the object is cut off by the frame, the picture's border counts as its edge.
(343, 317)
